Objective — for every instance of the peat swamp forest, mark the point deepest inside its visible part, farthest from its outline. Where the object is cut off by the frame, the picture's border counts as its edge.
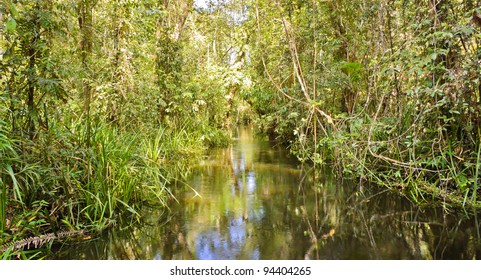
(107, 107)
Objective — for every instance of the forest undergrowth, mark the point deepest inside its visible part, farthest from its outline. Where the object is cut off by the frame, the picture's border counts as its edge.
(104, 105)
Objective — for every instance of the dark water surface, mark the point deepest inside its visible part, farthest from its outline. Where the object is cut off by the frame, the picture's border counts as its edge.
(251, 201)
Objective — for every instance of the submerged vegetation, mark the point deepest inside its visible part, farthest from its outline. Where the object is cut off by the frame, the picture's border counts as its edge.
(104, 104)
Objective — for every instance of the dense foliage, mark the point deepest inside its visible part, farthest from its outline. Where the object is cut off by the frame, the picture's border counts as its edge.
(101, 109)
(387, 90)
(103, 103)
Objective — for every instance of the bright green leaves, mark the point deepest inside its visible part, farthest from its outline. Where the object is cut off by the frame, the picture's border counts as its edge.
(353, 70)
(10, 25)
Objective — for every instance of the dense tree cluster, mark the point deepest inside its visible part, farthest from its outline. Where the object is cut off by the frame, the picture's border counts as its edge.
(96, 94)
(387, 90)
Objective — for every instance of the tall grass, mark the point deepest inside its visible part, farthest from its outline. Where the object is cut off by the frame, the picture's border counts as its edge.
(6, 154)
(59, 183)
(17, 177)
(125, 169)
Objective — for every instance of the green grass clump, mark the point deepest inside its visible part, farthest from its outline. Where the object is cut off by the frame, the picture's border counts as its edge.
(61, 183)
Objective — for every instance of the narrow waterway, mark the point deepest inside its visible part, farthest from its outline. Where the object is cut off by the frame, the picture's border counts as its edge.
(253, 201)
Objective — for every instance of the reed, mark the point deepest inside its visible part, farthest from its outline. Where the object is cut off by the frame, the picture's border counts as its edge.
(62, 184)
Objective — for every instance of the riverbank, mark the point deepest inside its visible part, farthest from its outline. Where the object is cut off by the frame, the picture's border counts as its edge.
(57, 187)
(253, 200)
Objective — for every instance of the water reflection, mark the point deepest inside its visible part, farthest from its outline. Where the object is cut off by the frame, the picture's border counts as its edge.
(251, 201)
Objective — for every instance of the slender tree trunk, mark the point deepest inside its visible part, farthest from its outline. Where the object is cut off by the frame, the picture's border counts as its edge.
(32, 75)
(118, 96)
(31, 93)
(391, 47)
(342, 53)
(85, 20)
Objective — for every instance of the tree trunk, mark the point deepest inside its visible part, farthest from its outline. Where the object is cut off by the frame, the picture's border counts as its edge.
(85, 20)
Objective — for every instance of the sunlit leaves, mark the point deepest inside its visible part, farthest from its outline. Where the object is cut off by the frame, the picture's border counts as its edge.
(11, 25)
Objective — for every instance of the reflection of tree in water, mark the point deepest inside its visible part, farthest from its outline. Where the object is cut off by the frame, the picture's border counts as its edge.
(159, 237)
(229, 241)
(250, 206)
(385, 226)
(250, 202)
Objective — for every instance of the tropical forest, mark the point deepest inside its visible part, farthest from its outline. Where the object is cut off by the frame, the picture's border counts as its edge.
(240, 129)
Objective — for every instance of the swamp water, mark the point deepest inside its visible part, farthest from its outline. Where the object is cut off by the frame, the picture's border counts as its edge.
(253, 201)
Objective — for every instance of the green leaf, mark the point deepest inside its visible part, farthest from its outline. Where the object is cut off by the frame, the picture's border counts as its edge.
(13, 10)
(15, 183)
(11, 25)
